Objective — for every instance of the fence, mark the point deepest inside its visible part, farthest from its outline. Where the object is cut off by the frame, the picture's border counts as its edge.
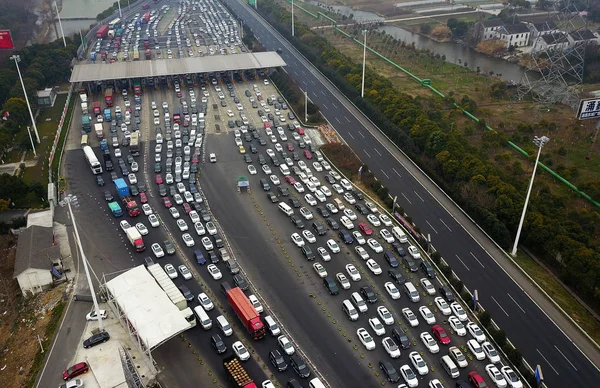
(58, 132)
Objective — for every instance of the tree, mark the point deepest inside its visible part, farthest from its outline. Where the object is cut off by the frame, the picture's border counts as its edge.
(441, 33)
(425, 28)
(458, 28)
(17, 109)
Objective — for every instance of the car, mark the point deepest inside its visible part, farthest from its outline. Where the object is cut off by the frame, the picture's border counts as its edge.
(386, 236)
(385, 220)
(440, 334)
(337, 188)
(365, 228)
(307, 234)
(447, 294)
(365, 338)
(427, 315)
(331, 285)
(362, 253)
(475, 349)
(256, 303)
(353, 272)
(174, 212)
(390, 372)
(207, 243)
(157, 250)
(92, 341)
(299, 366)
(124, 225)
(359, 238)
(182, 225)
(459, 311)
(240, 351)
(458, 327)
(442, 306)
(476, 379)
(94, 315)
(349, 198)
(345, 221)
(188, 240)
(320, 270)
(410, 317)
(377, 327)
(211, 228)
(343, 280)
(266, 169)
(171, 271)
(474, 330)
(194, 217)
(390, 347)
(251, 169)
(333, 246)
(418, 362)
(372, 218)
(297, 240)
(153, 221)
(414, 252)
(490, 352)
(286, 345)
(368, 294)
(428, 286)
(495, 375)
(310, 199)
(323, 254)
(214, 272)
(458, 357)
(409, 376)
(75, 370)
(374, 267)
(392, 290)
(374, 245)
(511, 377)
(218, 344)
(185, 272)
(275, 179)
(306, 213)
(429, 342)
(277, 360)
(199, 228)
(240, 282)
(141, 228)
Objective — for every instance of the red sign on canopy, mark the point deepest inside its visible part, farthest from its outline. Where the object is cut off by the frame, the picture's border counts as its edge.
(6, 42)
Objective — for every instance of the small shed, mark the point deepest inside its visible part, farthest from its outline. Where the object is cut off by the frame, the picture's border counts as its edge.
(46, 98)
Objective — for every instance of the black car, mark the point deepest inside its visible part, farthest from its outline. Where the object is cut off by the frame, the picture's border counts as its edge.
(322, 211)
(247, 158)
(262, 141)
(308, 253)
(331, 285)
(401, 338)
(169, 247)
(187, 294)
(391, 259)
(368, 294)
(141, 187)
(261, 159)
(362, 209)
(358, 194)
(218, 343)
(294, 202)
(299, 366)
(96, 339)
(162, 190)
(399, 249)
(283, 191)
(295, 156)
(332, 223)
(219, 241)
(410, 264)
(330, 179)
(240, 282)
(172, 190)
(99, 180)
(213, 257)
(108, 195)
(293, 383)
(427, 269)
(134, 190)
(447, 294)
(157, 168)
(389, 370)
(297, 221)
(253, 148)
(205, 215)
(108, 164)
(272, 197)
(277, 360)
(346, 237)
(319, 228)
(396, 276)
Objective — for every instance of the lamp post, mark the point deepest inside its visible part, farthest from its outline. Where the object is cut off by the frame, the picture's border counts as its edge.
(60, 24)
(292, 17)
(540, 142)
(17, 58)
(362, 90)
(119, 4)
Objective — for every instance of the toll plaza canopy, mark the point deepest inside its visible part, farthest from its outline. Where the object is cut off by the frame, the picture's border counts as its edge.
(163, 67)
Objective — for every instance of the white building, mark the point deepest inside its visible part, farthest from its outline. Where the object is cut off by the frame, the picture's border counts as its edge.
(516, 35)
(487, 29)
(555, 41)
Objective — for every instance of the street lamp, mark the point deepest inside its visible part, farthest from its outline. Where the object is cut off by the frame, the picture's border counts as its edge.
(362, 91)
(17, 58)
(292, 17)
(60, 24)
(119, 4)
(540, 142)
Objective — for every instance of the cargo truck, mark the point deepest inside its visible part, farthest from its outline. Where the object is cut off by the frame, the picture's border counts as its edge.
(134, 144)
(107, 115)
(84, 103)
(85, 123)
(236, 373)
(137, 87)
(96, 108)
(246, 312)
(111, 34)
(130, 204)
(99, 129)
(165, 282)
(92, 160)
(146, 17)
(102, 31)
(115, 209)
(108, 97)
(135, 239)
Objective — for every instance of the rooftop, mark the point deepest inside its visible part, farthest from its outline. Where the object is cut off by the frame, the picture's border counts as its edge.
(492, 23)
(518, 28)
(45, 93)
(555, 38)
(35, 249)
(583, 35)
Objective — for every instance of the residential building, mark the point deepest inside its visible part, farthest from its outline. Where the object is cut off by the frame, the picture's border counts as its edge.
(583, 36)
(516, 35)
(487, 29)
(552, 42)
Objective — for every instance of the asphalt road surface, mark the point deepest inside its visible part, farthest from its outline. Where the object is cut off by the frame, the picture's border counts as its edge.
(527, 326)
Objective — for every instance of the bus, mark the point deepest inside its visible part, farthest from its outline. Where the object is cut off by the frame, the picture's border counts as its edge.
(115, 23)
(84, 140)
(92, 160)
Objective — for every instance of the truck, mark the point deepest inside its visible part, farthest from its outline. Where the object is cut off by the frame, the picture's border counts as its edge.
(96, 108)
(146, 17)
(165, 282)
(115, 209)
(108, 97)
(246, 312)
(146, 43)
(148, 54)
(107, 115)
(236, 373)
(135, 239)
(90, 156)
(99, 129)
(84, 103)
(85, 123)
(111, 34)
(130, 204)
(119, 32)
(93, 56)
(134, 144)
(102, 31)
(137, 87)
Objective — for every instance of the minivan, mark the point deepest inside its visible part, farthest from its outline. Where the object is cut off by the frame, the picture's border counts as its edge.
(427, 269)
(284, 169)
(359, 302)
(399, 234)
(285, 208)
(412, 292)
(272, 325)
(450, 367)
(346, 237)
(349, 309)
(224, 326)
(315, 383)
(339, 204)
(203, 318)
(265, 185)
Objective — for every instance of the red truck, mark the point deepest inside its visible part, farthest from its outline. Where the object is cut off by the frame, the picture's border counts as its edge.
(102, 31)
(246, 313)
(146, 17)
(108, 96)
(96, 108)
(132, 206)
(236, 373)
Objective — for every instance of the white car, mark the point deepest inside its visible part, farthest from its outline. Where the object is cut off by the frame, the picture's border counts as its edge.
(185, 272)
(229, 113)
(385, 315)
(324, 254)
(428, 286)
(511, 377)
(409, 376)
(385, 220)
(199, 228)
(325, 190)
(146, 209)
(309, 236)
(177, 198)
(418, 362)
(427, 315)
(373, 220)
(310, 199)
(333, 246)
(365, 338)
(124, 225)
(174, 212)
(458, 326)
(240, 351)
(251, 169)
(410, 317)
(320, 196)
(429, 342)
(377, 327)
(205, 302)
(442, 305)
(211, 228)
(353, 272)
(476, 349)
(153, 221)
(182, 225)
(374, 245)
(459, 312)
(141, 228)
(331, 207)
(286, 345)
(414, 252)
(118, 153)
(171, 271)
(475, 331)
(495, 375)
(255, 302)
(326, 165)
(194, 217)
(362, 253)
(390, 347)
(266, 169)
(156, 121)
(374, 267)
(349, 198)
(317, 166)
(386, 236)
(157, 250)
(188, 196)
(491, 352)
(275, 180)
(337, 188)
(346, 184)
(158, 148)
(343, 280)
(214, 271)
(302, 165)
(350, 214)
(93, 316)
(298, 241)
(346, 222)
(458, 357)
(299, 188)
(360, 239)
(208, 245)
(320, 270)
(135, 167)
(392, 290)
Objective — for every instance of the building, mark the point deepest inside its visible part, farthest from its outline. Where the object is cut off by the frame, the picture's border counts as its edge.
(487, 29)
(516, 35)
(547, 27)
(583, 37)
(550, 42)
(46, 98)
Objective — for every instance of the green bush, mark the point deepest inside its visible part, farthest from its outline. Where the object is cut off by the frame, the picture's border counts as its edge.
(486, 319)
(436, 257)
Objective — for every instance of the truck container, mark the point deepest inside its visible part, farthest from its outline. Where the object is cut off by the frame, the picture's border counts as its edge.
(246, 312)
(132, 207)
(84, 108)
(135, 239)
(108, 97)
(90, 156)
(85, 123)
(111, 34)
(134, 144)
(189, 316)
(96, 108)
(137, 87)
(93, 56)
(102, 31)
(115, 209)
(146, 43)
(236, 373)
(107, 115)
(99, 129)
(148, 54)
(165, 282)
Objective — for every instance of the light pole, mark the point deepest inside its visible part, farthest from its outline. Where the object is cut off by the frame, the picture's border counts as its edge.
(85, 266)
(119, 4)
(362, 91)
(292, 17)
(540, 142)
(16, 58)
(60, 24)
(306, 106)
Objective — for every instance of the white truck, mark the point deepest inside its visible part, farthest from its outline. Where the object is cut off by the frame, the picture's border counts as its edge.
(99, 129)
(165, 282)
(135, 238)
(84, 103)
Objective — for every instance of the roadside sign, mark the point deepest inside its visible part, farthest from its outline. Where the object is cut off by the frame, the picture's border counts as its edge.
(589, 109)
(6, 42)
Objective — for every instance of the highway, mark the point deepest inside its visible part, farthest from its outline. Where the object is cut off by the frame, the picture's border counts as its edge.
(532, 331)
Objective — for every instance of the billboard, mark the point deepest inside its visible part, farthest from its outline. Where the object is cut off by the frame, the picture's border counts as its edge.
(589, 109)
(6, 42)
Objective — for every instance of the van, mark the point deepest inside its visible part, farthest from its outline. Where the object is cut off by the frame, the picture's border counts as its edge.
(399, 234)
(284, 169)
(315, 383)
(349, 309)
(203, 318)
(285, 208)
(199, 257)
(450, 367)
(225, 287)
(359, 302)
(272, 325)
(339, 204)
(412, 292)
(346, 237)
(224, 326)
(265, 185)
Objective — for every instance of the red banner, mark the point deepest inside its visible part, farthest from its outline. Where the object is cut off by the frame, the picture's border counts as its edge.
(6, 42)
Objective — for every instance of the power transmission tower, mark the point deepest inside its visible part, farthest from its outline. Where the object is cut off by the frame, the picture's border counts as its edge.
(555, 70)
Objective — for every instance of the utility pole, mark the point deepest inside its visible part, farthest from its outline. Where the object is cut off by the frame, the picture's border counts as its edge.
(31, 139)
(17, 58)
(362, 90)
(119, 4)
(305, 106)
(60, 24)
(292, 17)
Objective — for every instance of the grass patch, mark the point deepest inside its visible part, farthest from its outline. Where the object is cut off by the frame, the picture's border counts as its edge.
(61, 141)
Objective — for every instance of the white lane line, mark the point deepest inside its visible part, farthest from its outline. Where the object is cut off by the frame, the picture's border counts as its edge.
(502, 308)
(325, 106)
(367, 153)
(386, 175)
(295, 73)
(518, 305)
(304, 82)
(463, 263)
(447, 227)
(376, 150)
(431, 226)
(555, 371)
(397, 173)
(562, 354)
(405, 197)
(335, 106)
(417, 194)
(347, 119)
(338, 120)
(323, 93)
(351, 136)
(360, 133)
(475, 257)
(313, 82)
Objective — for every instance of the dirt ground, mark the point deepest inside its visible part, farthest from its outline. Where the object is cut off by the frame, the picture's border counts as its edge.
(21, 320)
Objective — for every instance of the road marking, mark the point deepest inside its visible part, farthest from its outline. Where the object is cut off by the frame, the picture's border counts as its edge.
(447, 227)
(547, 361)
(562, 354)
(436, 232)
(335, 106)
(347, 119)
(367, 153)
(502, 308)
(294, 71)
(518, 305)
(463, 263)
(338, 120)
(351, 136)
(313, 82)
(360, 133)
(475, 257)
(397, 173)
(378, 153)
(417, 194)
(405, 197)
(386, 175)
(325, 106)
(323, 93)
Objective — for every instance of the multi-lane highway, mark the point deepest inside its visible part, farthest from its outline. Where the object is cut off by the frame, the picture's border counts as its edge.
(544, 337)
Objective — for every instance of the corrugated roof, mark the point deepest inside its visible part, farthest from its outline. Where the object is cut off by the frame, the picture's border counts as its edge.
(518, 28)
(35, 249)
(163, 67)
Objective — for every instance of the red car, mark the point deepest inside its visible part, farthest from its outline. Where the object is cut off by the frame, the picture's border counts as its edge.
(187, 207)
(143, 198)
(441, 335)
(307, 154)
(300, 131)
(195, 158)
(167, 202)
(477, 381)
(159, 179)
(75, 370)
(290, 147)
(365, 228)
(290, 179)
(267, 125)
